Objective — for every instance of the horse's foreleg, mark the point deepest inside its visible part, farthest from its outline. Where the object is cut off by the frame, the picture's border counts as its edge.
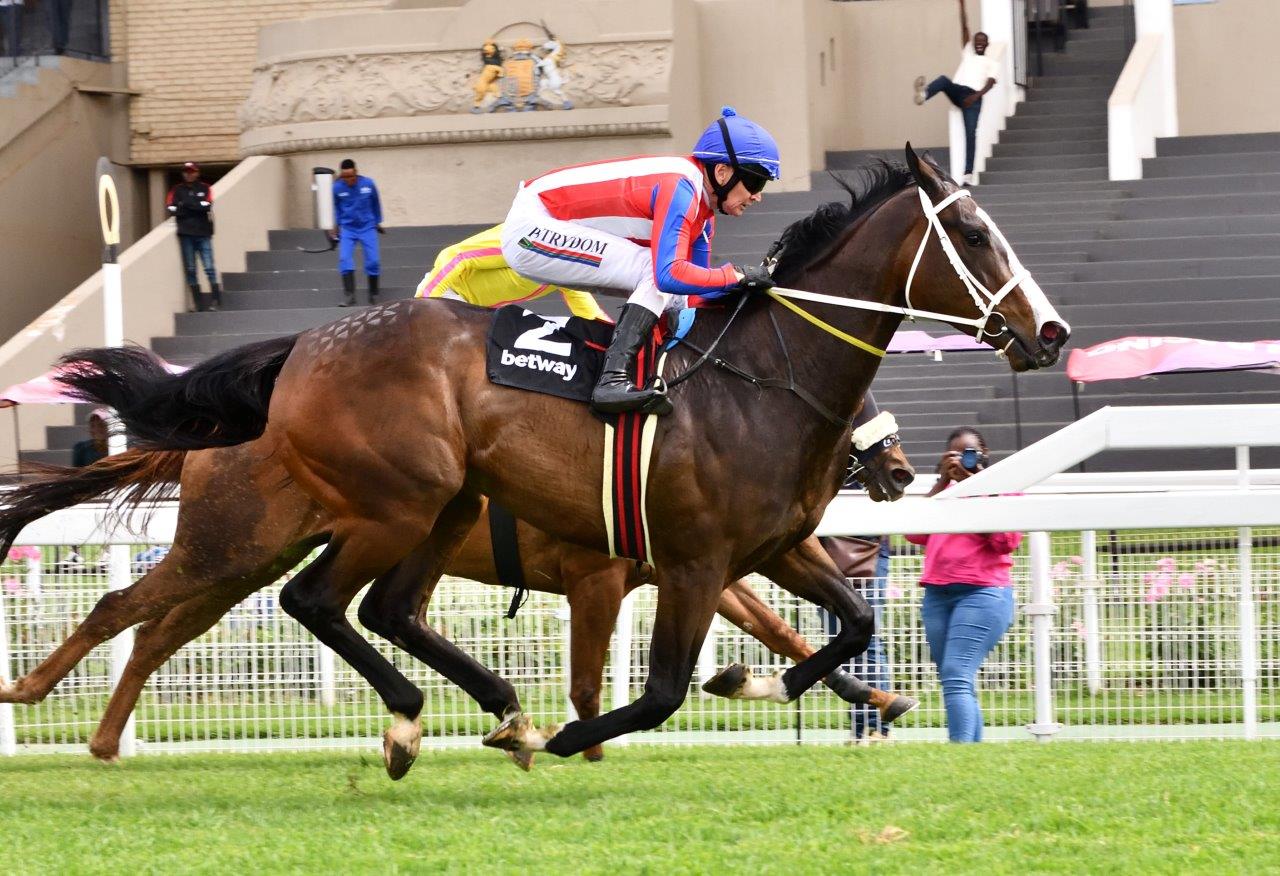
(808, 572)
(740, 605)
(686, 602)
(594, 600)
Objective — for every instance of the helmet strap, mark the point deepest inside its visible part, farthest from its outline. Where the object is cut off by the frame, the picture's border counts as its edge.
(722, 191)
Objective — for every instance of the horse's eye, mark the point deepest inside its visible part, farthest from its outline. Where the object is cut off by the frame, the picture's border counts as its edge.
(975, 238)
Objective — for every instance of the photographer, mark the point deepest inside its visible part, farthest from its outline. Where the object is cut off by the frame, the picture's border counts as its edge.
(968, 594)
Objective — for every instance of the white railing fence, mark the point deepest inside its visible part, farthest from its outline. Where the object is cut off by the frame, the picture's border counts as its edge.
(1151, 608)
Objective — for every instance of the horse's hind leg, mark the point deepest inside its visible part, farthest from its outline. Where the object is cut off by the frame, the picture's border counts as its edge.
(595, 595)
(156, 641)
(318, 597)
(394, 608)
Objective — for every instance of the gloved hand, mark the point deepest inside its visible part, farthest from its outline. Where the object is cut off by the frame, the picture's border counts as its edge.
(381, 230)
(755, 278)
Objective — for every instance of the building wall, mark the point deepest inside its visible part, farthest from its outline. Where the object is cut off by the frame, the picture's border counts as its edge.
(1228, 78)
(193, 61)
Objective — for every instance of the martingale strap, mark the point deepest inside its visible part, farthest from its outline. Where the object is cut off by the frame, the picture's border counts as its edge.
(506, 555)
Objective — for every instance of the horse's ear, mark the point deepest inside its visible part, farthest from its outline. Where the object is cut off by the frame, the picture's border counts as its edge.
(925, 172)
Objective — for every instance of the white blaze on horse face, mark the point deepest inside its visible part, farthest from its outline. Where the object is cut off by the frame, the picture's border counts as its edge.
(1041, 308)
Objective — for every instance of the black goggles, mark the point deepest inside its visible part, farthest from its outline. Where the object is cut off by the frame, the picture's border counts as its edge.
(754, 178)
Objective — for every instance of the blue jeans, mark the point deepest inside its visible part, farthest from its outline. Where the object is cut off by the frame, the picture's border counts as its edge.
(872, 666)
(368, 240)
(191, 247)
(962, 623)
(956, 94)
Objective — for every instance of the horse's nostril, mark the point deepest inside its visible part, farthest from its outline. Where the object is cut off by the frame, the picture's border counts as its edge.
(1053, 335)
(903, 477)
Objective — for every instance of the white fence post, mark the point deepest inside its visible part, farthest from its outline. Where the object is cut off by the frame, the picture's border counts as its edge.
(1092, 626)
(707, 667)
(325, 667)
(566, 645)
(8, 733)
(620, 661)
(1248, 624)
(120, 577)
(1041, 610)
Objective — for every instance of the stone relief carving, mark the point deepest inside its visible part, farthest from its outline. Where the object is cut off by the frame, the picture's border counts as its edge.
(435, 83)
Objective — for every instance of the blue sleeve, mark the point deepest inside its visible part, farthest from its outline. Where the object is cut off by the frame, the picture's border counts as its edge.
(701, 254)
(676, 270)
(377, 204)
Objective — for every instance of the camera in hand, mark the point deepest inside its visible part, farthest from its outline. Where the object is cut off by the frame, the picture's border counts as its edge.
(972, 459)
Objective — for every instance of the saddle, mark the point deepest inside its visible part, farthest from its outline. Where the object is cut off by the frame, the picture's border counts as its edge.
(562, 356)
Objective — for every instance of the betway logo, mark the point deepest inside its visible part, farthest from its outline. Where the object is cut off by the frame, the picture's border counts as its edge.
(534, 362)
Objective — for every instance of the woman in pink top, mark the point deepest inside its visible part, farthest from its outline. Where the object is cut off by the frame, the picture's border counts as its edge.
(968, 595)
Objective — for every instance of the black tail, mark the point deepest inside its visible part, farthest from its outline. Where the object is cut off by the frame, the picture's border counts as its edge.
(143, 476)
(218, 403)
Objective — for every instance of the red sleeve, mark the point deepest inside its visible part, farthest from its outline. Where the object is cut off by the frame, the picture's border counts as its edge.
(209, 193)
(168, 199)
(917, 538)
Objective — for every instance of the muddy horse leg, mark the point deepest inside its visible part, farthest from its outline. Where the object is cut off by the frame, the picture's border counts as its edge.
(740, 605)
(595, 594)
(687, 600)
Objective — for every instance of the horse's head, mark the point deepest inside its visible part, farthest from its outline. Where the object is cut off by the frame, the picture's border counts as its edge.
(878, 462)
(964, 268)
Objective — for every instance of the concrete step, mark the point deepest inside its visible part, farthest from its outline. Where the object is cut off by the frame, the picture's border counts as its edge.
(1054, 108)
(1006, 177)
(1040, 92)
(1158, 268)
(318, 279)
(1187, 206)
(1126, 314)
(1217, 144)
(1051, 163)
(420, 256)
(1172, 247)
(279, 299)
(1170, 291)
(1048, 134)
(1049, 150)
(1057, 65)
(1065, 121)
(1044, 84)
(1142, 229)
(405, 235)
(1212, 164)
(240, 322)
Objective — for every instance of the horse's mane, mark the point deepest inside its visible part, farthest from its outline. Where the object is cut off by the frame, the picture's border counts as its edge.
(805, 240)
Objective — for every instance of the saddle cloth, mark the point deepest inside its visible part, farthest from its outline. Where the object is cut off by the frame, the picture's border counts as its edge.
(562, 356)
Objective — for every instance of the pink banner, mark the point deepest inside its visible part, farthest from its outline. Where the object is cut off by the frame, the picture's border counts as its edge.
(1140, 356)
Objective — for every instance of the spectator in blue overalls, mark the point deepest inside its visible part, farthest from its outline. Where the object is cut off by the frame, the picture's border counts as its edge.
(358, 214)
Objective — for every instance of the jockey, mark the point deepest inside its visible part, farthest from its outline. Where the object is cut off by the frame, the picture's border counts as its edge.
(474, 271)
(643, 225)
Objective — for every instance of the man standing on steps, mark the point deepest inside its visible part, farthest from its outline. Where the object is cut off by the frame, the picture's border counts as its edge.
(190, 202)
(358, 214)
(978, 78)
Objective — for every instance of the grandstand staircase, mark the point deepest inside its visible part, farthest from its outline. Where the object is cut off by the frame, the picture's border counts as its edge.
(1192, 249)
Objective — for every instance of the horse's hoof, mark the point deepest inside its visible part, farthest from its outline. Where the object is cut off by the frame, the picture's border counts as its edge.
(400, 745)
(594, 754)
(728, 682)
(509, 734)
(899, 707)
(522, 759)
(105, 753)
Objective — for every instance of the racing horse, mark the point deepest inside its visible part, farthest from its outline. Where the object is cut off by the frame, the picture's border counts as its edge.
(388, 424)
(594, 584)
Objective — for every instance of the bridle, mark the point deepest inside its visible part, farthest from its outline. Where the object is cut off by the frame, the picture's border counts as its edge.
(985, 300)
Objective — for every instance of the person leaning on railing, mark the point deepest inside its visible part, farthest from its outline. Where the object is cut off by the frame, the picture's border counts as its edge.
(968, 593)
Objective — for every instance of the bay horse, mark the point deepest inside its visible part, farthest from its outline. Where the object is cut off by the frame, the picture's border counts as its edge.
(388, 424)
(594, 584)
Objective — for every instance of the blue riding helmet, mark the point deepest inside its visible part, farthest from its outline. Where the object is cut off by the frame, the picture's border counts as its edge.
(742, 144)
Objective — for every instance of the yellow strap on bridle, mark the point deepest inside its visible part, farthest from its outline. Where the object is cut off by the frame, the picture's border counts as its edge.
(826, 326)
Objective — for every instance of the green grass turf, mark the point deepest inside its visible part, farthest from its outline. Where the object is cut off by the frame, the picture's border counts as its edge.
(1141, 808)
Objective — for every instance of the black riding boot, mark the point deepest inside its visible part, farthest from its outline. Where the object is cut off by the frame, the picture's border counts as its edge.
(197, 298)
(215, 290)
(348, 289)
(616, 391)
(373, 289)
